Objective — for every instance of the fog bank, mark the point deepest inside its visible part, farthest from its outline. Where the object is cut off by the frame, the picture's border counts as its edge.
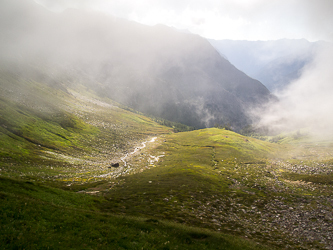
(306, 102)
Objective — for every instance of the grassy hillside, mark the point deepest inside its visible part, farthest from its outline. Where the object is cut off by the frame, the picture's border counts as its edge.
(47, 130)
(207, 189)
(58, 139)
(39, 217)
(220, 180)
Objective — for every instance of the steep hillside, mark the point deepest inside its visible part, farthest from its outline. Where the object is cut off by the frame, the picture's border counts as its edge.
(42, 126)
(76, 168)
(156, 70)
(61, 144)
(274, 63)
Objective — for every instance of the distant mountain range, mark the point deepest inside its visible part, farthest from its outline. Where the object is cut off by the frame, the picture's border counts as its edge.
(274, 63)
(155, 70)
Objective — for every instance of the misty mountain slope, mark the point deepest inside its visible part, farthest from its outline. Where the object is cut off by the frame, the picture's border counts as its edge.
(156, 70)
(213, 179)
(274, 63)
(280, 72)
(43, 125)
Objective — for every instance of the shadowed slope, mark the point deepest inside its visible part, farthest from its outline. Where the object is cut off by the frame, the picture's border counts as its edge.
(155, 70)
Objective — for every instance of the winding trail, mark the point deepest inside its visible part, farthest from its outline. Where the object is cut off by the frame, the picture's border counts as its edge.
(120, 170)
(123, 159)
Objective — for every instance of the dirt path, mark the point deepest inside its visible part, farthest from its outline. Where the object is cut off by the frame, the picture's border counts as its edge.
(136, 150)
(125, 168)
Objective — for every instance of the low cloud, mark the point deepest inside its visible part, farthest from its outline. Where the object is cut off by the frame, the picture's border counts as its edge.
(307, 103)
(228, 19)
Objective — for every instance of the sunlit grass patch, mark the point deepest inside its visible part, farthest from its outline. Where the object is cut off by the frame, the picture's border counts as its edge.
(316, 178)
(74, 127)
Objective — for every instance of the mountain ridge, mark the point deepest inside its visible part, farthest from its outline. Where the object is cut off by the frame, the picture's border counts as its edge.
(156, 70)
(275, 63)
(80, 170)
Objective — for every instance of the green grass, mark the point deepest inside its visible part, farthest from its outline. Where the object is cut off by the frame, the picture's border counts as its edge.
(39, 217)
(316, 178)
(51, 136)
(210, 188)
(193, 182)
(217, 179)
(43, 125)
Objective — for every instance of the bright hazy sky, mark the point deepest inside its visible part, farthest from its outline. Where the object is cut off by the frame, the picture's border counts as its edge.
(222, 19)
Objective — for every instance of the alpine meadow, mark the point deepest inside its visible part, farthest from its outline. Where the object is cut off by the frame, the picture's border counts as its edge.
(117, 134)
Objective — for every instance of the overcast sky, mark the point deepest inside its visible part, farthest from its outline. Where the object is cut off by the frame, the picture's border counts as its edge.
(223, 19)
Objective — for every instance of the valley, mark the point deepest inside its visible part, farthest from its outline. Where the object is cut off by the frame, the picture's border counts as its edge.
(120, 135)
(260, 194)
